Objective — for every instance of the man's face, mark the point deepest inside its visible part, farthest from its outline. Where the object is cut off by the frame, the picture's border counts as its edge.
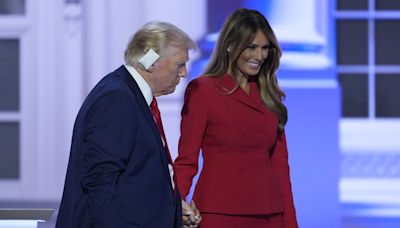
(168, 70)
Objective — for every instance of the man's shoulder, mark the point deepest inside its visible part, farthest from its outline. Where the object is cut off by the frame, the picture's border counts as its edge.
(110, 83)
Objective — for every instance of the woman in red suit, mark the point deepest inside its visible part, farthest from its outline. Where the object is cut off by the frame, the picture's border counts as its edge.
(235, 115)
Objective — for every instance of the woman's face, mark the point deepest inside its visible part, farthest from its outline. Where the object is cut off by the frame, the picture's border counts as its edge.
(251, 59)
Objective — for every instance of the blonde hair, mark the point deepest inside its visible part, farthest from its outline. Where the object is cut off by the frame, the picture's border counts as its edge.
(158, 36)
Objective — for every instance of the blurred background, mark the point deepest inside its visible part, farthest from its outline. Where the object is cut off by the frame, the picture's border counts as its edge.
(340, 70)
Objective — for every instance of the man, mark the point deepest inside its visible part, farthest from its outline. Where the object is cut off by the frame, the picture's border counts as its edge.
(119, 171)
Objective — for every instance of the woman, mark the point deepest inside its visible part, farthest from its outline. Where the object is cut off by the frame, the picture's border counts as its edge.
(235, 115)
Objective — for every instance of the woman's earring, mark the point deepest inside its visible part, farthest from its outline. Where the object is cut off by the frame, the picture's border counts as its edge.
(228, 50)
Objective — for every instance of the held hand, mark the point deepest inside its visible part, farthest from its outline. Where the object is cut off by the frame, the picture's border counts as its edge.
(186, 214)
(190, 215)
(197, 216)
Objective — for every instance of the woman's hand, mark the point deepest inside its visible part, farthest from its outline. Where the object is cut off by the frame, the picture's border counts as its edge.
(190, 215)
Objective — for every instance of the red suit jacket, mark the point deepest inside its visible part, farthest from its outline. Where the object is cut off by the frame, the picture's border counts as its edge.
(245, 168)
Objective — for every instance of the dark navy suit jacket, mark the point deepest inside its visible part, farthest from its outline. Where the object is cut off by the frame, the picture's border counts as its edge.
(118, 169)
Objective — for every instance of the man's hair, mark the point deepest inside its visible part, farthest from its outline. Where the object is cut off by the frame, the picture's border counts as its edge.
(158, 36)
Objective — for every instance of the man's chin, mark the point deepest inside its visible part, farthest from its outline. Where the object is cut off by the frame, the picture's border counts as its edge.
(169, 91)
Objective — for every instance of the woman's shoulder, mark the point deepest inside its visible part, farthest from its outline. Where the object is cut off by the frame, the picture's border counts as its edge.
(206, 81)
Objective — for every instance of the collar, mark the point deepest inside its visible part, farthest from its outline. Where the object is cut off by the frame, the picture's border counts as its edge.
(143, 86)
(227, 83)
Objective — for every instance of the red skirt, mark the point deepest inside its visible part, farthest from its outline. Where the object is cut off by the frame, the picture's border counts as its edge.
(212, 220)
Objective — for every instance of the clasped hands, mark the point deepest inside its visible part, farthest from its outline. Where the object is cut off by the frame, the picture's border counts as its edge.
(190, 215)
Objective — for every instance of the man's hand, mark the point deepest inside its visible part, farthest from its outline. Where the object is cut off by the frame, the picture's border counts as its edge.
(190, 215)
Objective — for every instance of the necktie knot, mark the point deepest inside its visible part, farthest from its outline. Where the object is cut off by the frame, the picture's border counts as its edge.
(154, 108)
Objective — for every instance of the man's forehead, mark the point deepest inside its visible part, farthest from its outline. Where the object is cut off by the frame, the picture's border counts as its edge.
(178, 53)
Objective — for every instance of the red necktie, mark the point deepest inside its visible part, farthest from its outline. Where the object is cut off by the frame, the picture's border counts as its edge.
(157, 117)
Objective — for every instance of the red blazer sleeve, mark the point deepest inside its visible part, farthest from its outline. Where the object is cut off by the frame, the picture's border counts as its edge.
(281, 165)
(193, 125)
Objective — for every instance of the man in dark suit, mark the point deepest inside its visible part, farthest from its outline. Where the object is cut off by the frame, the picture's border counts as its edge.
(120, 171)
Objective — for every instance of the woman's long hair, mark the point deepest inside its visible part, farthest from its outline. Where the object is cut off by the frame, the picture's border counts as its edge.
(237, 33)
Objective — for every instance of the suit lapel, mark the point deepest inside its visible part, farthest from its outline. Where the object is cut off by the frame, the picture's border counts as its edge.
(123, 73)
(227, 83)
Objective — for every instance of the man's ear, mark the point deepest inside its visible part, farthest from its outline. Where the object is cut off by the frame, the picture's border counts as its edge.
(152, 67)
(149, 59)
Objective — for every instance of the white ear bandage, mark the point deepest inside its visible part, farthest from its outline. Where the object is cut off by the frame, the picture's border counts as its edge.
(149, 59)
